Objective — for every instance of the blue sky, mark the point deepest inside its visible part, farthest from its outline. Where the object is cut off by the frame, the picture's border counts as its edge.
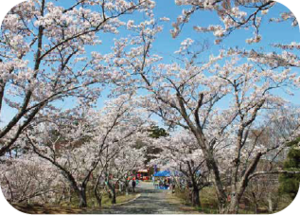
(165, 44)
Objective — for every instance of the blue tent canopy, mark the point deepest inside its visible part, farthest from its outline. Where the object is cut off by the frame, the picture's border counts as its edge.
(162, 174)
(167, 173)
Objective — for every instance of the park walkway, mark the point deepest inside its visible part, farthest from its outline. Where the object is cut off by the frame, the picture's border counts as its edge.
(151, 201)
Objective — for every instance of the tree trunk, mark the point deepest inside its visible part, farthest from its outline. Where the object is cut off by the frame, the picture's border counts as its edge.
(112, 193)
(273, 203)
(70, 195)
(218, 184)
(114, 198)
(81, 193)
(238, 189)
(98, 198)
(196, 197)
(82, 198)
(255, 207)
(234, 205)
(255, 203)
(127, 189)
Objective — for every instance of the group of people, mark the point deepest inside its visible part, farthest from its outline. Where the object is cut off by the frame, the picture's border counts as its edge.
(161, 183)
(164, 183)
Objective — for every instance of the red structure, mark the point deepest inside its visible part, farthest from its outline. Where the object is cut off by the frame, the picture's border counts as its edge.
(143, 174)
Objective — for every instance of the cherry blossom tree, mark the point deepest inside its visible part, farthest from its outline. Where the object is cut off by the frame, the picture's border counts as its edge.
(128, 160)
(44, 56)
(188, 93)
(81, 147)
(233, 14)
(242, 15)
(119, 156)
(27, 179)
(118, 164)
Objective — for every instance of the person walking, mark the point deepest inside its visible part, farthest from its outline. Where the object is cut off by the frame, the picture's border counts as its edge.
(173, 187)
(133, 184)
(166, 184)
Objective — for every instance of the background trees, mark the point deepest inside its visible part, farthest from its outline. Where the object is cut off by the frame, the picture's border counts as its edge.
(26, 179)
(289, 183)
(180, 154)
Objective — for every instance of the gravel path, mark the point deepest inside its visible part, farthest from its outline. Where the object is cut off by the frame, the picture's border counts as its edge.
(151, 201)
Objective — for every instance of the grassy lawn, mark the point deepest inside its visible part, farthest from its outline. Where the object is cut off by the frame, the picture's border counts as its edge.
(174, 199)
(64, 209)
(209, 203)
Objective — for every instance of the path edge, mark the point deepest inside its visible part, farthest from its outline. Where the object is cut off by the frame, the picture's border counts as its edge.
(131, 200)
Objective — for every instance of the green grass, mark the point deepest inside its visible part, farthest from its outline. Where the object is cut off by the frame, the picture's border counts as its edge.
(106, 202)
(209, 203)
(71, 208)
(208, 198)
